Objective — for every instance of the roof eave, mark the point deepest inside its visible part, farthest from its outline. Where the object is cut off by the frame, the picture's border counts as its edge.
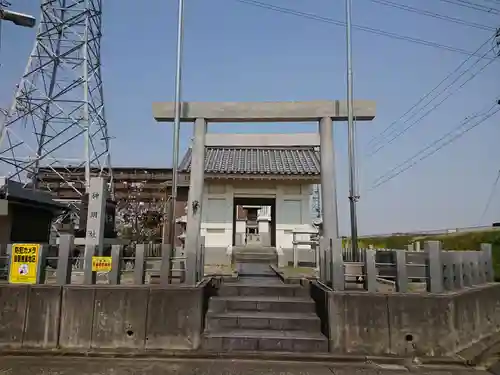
(316, 178)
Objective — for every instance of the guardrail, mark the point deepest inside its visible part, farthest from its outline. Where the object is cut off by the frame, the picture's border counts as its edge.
(437, 270)
(70, 263)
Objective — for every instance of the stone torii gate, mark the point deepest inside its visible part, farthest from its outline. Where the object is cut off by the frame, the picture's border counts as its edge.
(325, 112)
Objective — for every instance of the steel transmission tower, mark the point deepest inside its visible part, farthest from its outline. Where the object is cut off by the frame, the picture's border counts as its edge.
(57, 116)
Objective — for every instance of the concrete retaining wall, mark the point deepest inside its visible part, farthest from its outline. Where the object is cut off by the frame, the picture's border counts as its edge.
(101, 317)
(400, 324)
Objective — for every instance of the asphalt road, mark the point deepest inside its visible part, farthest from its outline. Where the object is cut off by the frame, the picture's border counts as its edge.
(101, 366)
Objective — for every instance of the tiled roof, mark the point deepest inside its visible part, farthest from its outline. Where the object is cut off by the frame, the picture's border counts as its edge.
(258, 160)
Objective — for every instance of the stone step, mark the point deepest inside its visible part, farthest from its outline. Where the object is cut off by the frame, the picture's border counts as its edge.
(255, 260)
(248, 254)
(285, 290)
(254, 249)
(256, 269)
(262, 303)
(260, 340)
(263, 320)
(255, 256)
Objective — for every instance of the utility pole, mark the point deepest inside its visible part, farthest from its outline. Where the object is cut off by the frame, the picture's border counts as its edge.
(351, 135)
(175, 147)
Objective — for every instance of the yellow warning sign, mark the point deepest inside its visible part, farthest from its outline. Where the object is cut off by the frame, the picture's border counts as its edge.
(24, 263)
(101, 264)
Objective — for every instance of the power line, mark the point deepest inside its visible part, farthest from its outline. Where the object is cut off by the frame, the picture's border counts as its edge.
(433, 14)
(391, 174)
(490, 197)
(402, 132)
(469, 5)
(377, 138)
(367, 29)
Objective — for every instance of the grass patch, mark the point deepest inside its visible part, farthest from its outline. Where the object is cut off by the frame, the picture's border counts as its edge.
(219, 269)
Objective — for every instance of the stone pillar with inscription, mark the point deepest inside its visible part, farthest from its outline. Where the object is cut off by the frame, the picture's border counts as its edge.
(94, 236)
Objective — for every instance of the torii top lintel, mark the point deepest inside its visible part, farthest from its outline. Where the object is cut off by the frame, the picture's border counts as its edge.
(364, 110)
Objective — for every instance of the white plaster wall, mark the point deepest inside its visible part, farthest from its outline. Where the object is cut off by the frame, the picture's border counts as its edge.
(217, 222)
(292, 211)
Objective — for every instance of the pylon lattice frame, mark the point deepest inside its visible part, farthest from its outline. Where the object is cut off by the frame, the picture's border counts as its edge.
(57, 117)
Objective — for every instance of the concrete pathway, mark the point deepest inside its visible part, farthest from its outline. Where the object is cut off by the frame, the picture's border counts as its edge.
(147, 366)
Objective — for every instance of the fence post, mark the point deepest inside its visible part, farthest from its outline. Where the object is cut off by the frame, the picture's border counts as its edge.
(448, 259)
(473, 265)
(63, 271)
(89, 276)
(370, 270)
(114, 275)
(315, 248)
(434, 267)
(481, 270)
(401, 271)
(200, 256)
(458, 270)
(294, 248)
(139, 264)
(323, 269)
(486, 249)
(337, 264)
(4, 260)
(467, 269)
(8, 252)
(42, 264)
(165, 264)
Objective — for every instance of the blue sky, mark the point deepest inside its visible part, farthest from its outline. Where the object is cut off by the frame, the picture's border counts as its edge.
(238, 52)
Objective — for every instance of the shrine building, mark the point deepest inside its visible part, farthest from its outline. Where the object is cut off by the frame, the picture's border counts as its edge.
(257, 192)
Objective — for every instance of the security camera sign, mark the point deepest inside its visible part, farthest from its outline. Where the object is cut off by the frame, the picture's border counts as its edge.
(24, 263)
(101, 264)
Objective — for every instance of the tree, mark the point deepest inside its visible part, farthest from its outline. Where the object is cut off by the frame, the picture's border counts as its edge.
(138, 220)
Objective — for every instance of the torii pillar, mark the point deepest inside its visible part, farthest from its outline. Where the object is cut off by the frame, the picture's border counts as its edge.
(201, 113)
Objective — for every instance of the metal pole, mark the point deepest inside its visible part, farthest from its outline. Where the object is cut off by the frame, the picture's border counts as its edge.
(351, 134)
(86, 119)
(177, 123)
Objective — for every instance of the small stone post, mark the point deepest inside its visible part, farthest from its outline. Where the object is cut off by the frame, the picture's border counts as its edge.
(486, 249)
(401, 271)
(63, 272)
(434, 266)
(337, 264)
(114, 275)
(370, 270)
(139, 264)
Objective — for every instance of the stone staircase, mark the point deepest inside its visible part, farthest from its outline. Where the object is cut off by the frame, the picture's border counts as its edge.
(255, 254)
(263, 314)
